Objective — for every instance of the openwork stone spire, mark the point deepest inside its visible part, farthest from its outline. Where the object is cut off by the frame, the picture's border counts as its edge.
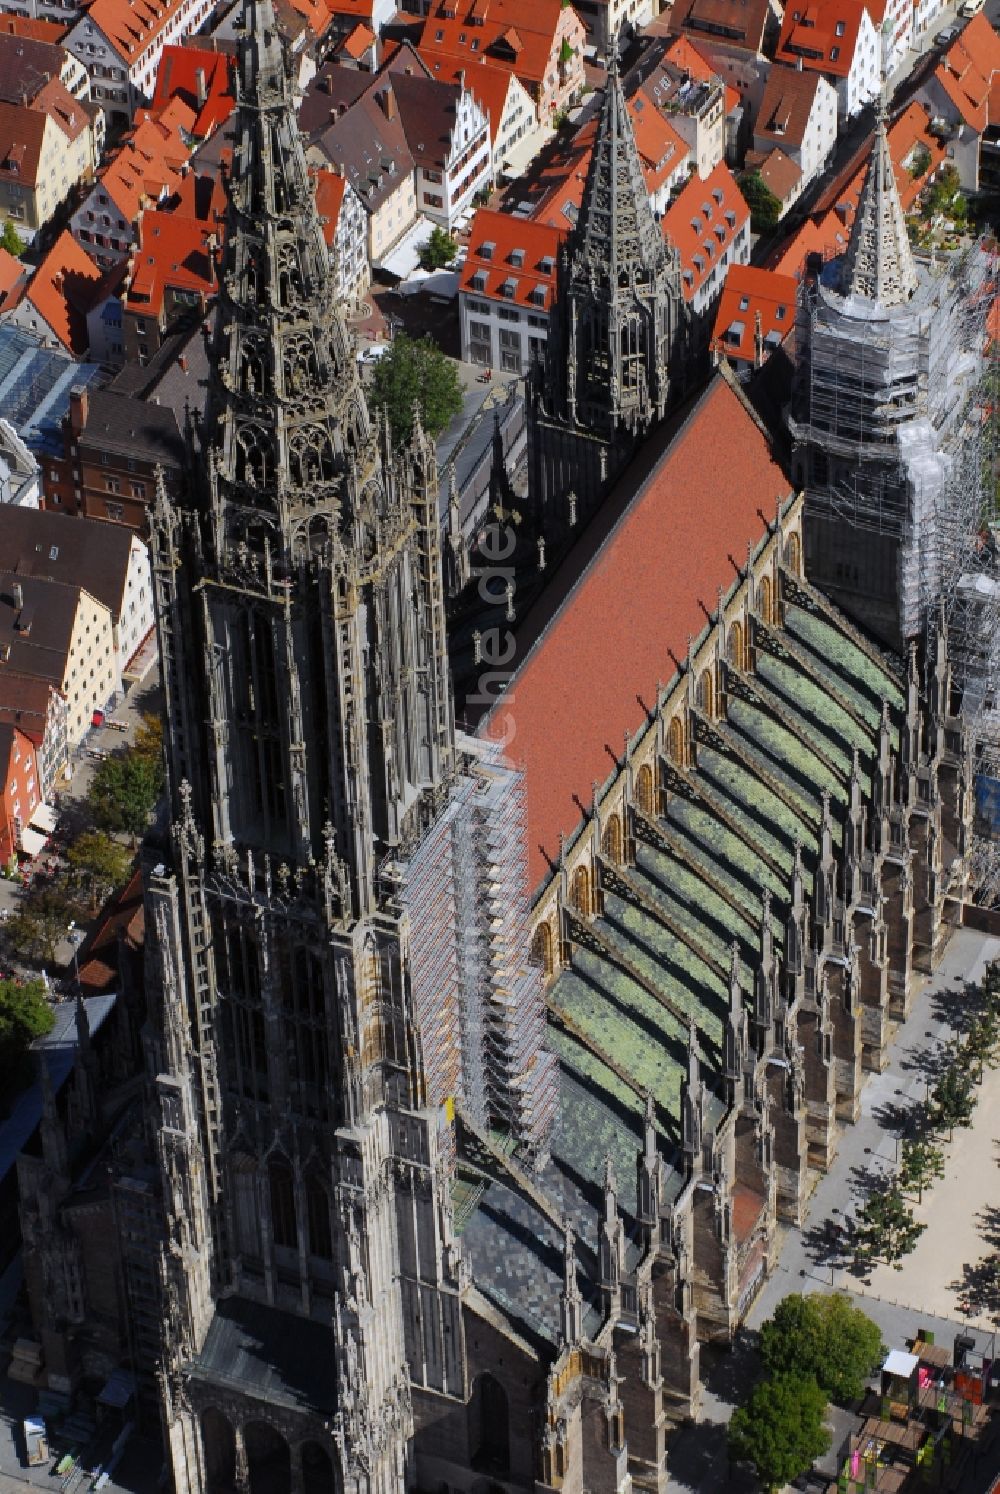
(287, 417)
(617, 233)
(879, 262)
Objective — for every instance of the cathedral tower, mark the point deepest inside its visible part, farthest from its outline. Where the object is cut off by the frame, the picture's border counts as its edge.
(887, 358)
(617, 334)
(308, 1275)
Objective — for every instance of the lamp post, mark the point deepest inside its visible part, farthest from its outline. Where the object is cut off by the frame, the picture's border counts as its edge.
(76, 937)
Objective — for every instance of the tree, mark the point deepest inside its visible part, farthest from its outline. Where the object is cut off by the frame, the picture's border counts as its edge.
(781, 1429)
(824, 1337)
(149, 735)
(24, 1015)
(99, 865)
(40, 923)
(922, 1163)
(416, 375)
(11, 240)
(438, 251)
(951, 1100)
(124, 791)
(885, 1228)
(765, 208)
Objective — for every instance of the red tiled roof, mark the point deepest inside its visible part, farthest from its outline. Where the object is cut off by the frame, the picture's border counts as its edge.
(485, 274)
(55, 100)
(131, 25)
(150, 158)
(685, 53)
(789, 96)
(59, 286)
(330, 188)
(359, 40)
(173, 251)
(13, 277)
(811, 34)
(662, 150)
(361, 10)
(747, 293)
(22, 132)
(45, 31)
(577, 691)
(735, 23)
(968, 74)
(701, 226)
(488, 82)
(178, 77)
(516, 34)
(780, 174)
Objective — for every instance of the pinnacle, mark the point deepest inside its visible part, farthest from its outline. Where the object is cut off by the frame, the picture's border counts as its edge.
(617, 233)
(879, 263)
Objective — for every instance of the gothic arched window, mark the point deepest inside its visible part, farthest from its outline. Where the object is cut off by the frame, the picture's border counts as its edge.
(706, 693)
(766, 604)
(794, 554)
(541, 949)
(284, 1228)
(612, 840)
(580, 891)
(737, 653)
(675, 741)
(644, 795)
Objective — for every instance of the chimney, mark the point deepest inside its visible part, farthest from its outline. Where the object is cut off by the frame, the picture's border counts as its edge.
(78, 408)
(200, 89)
(387, 102)
(17, 595)
(326, 82)
(182, 363)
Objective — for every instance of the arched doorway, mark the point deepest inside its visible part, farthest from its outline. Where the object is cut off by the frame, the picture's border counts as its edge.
(219, 1443)
(490, 1430)
(612, 842)
(317, 1470)
(269, 1460)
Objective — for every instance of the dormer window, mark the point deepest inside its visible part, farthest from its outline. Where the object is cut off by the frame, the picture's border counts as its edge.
(699, 263)
(779, 313)
(508, 288)
(744, 303)
(547, 264)
(517, 258)
(834, 53)
(706, 208)
(486, 250)
(479, 280)
(717, 194)
(731, 218)
(839, 29)
(538, 295)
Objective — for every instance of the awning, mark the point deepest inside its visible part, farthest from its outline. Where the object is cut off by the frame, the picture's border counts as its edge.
(404, 257)
(44, 818)
(32, 843)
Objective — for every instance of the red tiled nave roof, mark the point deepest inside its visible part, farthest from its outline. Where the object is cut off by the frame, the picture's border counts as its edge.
(577, 691)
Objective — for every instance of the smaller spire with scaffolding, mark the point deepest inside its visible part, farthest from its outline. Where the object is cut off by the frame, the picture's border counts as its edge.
(879, 264)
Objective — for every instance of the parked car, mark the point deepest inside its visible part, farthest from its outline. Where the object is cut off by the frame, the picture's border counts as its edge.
(946, 37)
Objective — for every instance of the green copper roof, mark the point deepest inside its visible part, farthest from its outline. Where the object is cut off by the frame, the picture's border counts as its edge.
(713, 921)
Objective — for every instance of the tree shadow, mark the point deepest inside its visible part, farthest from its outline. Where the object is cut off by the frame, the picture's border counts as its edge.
(958, 1007)
(729, 1374)
(827, 1243)
(698, 1460)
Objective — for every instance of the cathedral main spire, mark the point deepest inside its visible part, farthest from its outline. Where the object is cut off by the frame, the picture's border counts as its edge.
(617, 233)
(286, 415)
(879, 264)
